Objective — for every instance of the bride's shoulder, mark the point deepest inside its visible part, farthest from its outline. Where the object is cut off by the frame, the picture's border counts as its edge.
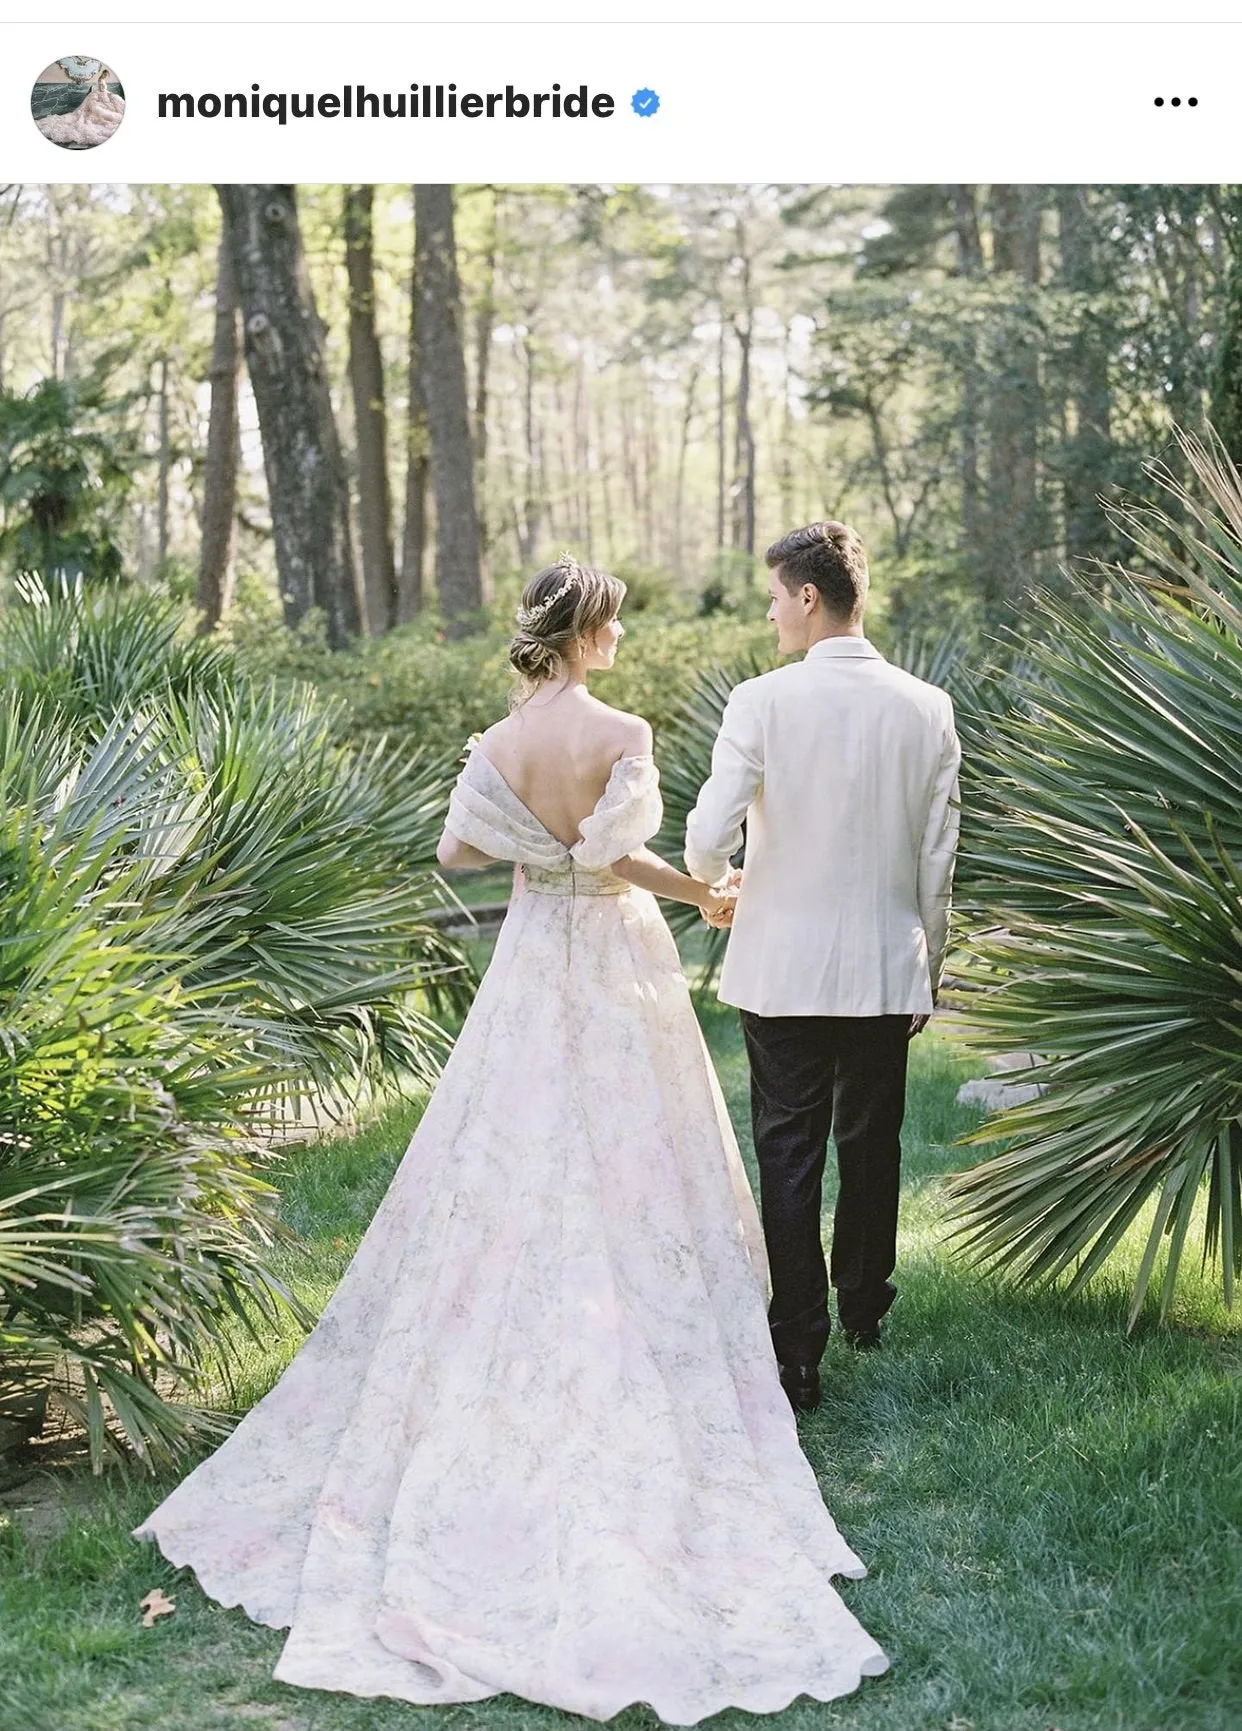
(498, 731)
(628, 735)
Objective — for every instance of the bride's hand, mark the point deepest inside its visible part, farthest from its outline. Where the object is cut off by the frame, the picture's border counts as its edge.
(718, 906)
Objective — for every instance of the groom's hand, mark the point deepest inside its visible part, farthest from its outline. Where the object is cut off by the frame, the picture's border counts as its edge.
(718, 909)
(917, 1024)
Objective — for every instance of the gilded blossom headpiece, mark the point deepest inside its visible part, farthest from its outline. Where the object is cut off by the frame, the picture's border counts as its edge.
(528, 616)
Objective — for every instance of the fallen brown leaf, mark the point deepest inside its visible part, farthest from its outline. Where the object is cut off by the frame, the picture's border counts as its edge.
(156, 1605)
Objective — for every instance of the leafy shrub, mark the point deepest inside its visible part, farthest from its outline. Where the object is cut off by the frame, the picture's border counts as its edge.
(733, 586)
(63, 472)
(414, 685)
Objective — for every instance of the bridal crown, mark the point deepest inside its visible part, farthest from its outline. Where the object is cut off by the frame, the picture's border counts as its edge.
(528, 616)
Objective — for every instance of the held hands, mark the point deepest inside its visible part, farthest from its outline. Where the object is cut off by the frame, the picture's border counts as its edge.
(721, 900)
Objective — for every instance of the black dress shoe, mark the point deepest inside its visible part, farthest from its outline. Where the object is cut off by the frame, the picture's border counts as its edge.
(801, 1383)
(863, 1339)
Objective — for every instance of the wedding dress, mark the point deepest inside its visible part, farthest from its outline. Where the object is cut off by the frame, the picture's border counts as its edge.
(537, 1442)
(92, 122)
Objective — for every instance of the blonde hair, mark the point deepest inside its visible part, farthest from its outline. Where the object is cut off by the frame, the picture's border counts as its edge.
(561, 603)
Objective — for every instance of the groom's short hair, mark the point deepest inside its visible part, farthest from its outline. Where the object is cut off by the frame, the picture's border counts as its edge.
(829, 556)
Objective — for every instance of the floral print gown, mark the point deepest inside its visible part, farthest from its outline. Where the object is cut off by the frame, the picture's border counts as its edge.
(537, 1442)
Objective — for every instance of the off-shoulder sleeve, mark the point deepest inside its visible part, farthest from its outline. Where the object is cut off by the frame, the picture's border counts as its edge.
(474, 819)
(628, 815)
(484, 812)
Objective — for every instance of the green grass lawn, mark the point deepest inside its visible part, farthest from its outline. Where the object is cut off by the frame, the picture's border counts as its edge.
(1050, 1510)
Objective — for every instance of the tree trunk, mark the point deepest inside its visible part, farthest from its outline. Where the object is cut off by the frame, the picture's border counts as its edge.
(651, 469)
(459, 573)
(970, 266)
(720, 434)
(284, 338)
(629, 465)
(1014, 410)
(785, 475)
(216, 574)
(1086, 452)
(417, 468)
(582, 461)
(744, 450)
(484, 323)
(1227, 395)
(164, 465)
(55, 271)
(366, 376)
(1180, 260)
(679, 489)
(535, 491)
(605, 485)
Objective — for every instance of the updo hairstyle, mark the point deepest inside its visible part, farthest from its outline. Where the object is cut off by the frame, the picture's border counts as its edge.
(560, 604)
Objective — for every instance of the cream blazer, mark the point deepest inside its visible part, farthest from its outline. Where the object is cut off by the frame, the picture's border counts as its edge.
(845, 770)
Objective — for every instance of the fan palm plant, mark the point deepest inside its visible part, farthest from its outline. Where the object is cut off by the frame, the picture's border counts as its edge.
(207, 908)
(1102, 879)
(130, 1222)
(294, 877)
(277, 861)
(96, 651)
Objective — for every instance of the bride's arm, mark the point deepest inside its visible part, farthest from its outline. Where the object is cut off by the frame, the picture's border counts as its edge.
(647, 871)
(457, 855)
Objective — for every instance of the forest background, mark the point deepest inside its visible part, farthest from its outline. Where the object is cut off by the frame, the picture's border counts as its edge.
(662, 379)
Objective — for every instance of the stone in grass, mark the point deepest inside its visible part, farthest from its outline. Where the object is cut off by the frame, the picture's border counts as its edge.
(996, 1093)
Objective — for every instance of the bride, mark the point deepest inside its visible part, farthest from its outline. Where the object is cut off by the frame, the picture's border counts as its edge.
(537, 1442)
(92, 122)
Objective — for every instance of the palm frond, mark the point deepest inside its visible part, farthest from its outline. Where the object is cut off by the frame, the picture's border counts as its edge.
(1102, 882)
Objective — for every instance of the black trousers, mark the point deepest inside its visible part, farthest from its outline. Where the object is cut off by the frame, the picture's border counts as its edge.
(812, 1076)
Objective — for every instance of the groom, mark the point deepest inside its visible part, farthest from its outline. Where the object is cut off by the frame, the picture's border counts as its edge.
(844, 769)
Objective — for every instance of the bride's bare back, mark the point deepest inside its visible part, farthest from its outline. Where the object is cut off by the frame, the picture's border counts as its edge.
(556, 753)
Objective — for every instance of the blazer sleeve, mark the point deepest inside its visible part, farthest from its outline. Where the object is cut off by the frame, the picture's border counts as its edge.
(939, 850)
(714, 827)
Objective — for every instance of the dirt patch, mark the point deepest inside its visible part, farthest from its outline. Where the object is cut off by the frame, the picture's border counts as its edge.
(48, 1484)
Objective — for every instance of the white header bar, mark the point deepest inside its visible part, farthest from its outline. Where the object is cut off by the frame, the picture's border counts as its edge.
(801, 103)
(706, 12)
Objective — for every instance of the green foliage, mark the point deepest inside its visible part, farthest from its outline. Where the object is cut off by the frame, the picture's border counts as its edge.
(93, 655)
(208, 908)
(1102, 875)
(733, 586)
(63, 468)
(1001, 358)
(415, 685)
(648, 588)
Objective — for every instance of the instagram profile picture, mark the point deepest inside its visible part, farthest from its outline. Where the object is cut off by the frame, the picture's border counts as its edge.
(77, 102)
